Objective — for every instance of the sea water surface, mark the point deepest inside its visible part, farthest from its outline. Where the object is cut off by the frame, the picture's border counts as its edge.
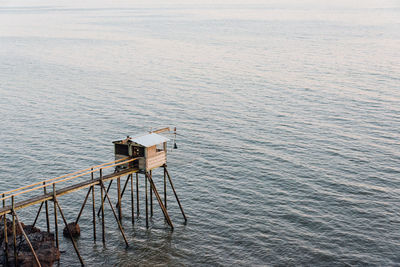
(288, 117)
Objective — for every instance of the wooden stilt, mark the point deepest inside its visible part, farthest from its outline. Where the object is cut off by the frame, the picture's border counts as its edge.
(5, 233)
(108, 189)
(165, 190)
(147, 212)
(46, 205)
(69, 232)
(151, 198)
(83, 205)
(55, 215)
(102, 208)
(115, 215)
(27, 239)
(93, 209)
(37, 215)
(125, 185)
(119, 198)
(14, 234)
(164, 210)
(132, 202)
(137, 194)
(176, 196)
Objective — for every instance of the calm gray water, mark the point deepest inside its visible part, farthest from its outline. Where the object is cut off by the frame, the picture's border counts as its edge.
(288, 115)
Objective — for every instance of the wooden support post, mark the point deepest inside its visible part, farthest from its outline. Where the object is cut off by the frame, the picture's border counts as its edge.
(14, 230)
(132, 202)
(151, 197)
(176, 196)
(165, 190)
(137, 194)
(147, 212)
(26, 238)
(102, 207)
(37, 215)
(55, 215)
(5, 232)
(126, 184)
(108, 189)
(46, 205)
(119, 198)
(164, 210)
(93, 209)
(69, 232)
(115, 215)
(83, 205)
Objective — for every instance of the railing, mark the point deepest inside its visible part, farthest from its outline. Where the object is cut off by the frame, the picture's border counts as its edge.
(67, 177)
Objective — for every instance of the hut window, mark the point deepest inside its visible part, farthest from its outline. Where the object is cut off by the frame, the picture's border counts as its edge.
(160, 147)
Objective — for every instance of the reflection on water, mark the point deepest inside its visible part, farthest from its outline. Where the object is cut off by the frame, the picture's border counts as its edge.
(288, 118)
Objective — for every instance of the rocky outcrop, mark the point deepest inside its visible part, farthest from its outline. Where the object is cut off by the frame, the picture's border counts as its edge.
(42, 242)
(73, 228)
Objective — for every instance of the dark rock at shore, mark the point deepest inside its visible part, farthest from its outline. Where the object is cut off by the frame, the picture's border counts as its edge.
(42, 242)
(73, 228)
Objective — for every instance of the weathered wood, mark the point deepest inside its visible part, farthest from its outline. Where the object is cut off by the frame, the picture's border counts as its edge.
(147, 211)
(103, 230)
(93, 209)
(165, 189)
(132, 202)
(164, 210)
(69, 231)
(176, 196)
(66, 190)
(5, 233)
(27, 239)
(119, 198)
(108, 189)
(37, 214)
(83, 205)
(14, 233)
(47, 209)
(55, 215)
(137, 194)
(151, 198)
(115, 215)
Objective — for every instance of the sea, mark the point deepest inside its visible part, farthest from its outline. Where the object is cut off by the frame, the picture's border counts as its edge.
(287, 115)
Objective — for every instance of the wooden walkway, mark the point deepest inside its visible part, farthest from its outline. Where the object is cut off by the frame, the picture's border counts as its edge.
(65, 190)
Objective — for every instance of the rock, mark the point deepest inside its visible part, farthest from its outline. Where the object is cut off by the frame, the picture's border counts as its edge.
(42, 242)
(73, 228)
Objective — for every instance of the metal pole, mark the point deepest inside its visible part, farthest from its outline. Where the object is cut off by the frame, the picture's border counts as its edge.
(115, 215)
(14, 234)
(5, 232)
(176, 196)
(46, 205)
(70, 234)
(102, 208)
(55, 215)
(94, 209)
(26, 238)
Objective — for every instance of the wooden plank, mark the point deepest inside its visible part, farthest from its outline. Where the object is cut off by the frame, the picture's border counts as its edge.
(64, 191)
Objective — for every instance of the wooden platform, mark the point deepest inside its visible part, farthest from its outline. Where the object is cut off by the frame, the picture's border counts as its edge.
(65, 190)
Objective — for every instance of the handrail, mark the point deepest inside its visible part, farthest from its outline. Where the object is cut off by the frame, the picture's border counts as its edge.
(92, 169)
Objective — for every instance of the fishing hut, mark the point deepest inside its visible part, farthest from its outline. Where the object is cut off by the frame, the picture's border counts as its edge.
(137, 156)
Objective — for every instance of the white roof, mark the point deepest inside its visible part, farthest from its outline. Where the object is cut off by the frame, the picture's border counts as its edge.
(149, 139)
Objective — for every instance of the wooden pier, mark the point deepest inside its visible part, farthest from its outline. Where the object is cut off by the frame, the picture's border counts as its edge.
(133, 157)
